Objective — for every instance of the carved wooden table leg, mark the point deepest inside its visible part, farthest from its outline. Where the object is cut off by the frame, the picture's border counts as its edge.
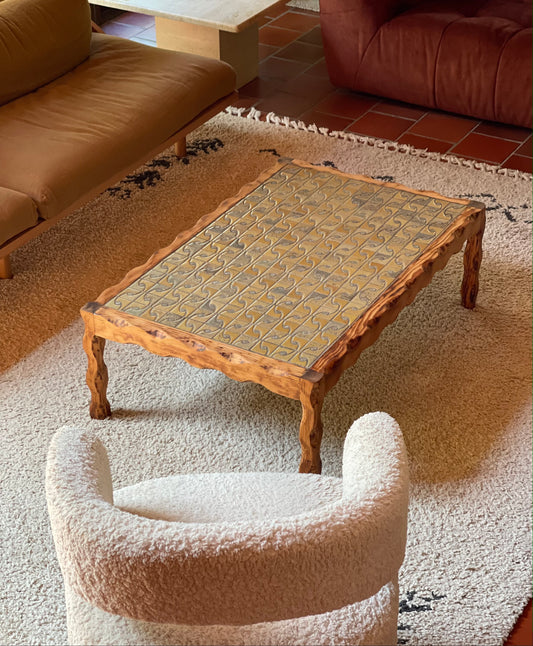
(96, 375)
(472, 262)
(312, 398)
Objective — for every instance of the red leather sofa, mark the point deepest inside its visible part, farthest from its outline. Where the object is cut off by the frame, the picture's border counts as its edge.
(472, 57)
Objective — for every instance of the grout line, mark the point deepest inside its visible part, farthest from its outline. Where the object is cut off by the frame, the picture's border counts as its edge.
(510, 155)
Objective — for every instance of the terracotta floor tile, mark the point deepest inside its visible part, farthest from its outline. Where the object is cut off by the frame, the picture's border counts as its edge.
(349, 105)
(384, 126)
(443, 126)
(319, 69)
(299, 21)
(266, 50)
(433, 145)
(148, 34)
(119, 29)
(276, 10)
(314, 36)
(314, 87)
(136, 19)
(526, 148)
(485, 148)
(245, 102)
(502, 130)
(304, 52)
(399, 109)
(262, 20)
(259, 88)
(285, 104)
(143, 41)
(323, 120)
(519, 162)
(277, 37)
(291, 83)
(279, 69)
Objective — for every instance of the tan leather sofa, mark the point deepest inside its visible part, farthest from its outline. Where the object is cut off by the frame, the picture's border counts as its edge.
(79, 110)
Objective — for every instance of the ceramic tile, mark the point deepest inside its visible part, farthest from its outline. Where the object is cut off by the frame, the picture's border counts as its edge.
(266, 50)
(278, 69)
(526, 149)
(445, 127)
(485, 148)
(119, 29)
(285, 104)
(298, 21)
(433, 145)
(313, 87)
(300, 51)
(503, 131)
(384, 126)
(323, 248)
(344, 104)
(136, 19)
(313, 36)
(277, 36)
(398, 109)
(518, 162)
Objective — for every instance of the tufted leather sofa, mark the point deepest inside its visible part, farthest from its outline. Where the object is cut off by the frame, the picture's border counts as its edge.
(471, 57)
(79, 110)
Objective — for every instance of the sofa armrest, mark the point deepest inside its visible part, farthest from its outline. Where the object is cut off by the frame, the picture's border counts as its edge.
(18, 212)
(348, 27)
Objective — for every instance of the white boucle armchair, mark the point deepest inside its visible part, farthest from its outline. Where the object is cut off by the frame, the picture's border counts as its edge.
(232, 558)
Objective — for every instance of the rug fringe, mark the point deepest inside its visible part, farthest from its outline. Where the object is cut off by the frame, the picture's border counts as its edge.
(384, 144)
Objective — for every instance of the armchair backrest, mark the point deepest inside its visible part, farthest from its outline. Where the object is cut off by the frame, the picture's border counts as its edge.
(234, 573)
(39, 41)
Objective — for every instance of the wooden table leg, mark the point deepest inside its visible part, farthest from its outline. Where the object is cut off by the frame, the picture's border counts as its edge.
(96, 375)
(472, 262)
(312, 398)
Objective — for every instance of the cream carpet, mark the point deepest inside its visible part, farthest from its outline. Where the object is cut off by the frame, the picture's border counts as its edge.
(457, 381)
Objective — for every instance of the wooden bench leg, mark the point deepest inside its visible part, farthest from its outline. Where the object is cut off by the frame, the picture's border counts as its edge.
(96, 375)
(5, 267)
(180, 147)
(472, 261)
(312, 398)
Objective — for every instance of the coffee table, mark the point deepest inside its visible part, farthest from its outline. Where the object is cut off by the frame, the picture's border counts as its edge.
(227, 31)
(286, 283)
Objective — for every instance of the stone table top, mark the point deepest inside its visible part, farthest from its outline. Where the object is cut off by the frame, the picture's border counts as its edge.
(232, 16)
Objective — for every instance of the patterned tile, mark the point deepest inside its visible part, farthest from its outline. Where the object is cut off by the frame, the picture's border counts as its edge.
(287, 269)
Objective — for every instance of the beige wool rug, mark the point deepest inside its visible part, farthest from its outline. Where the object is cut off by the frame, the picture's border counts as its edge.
(457, 381)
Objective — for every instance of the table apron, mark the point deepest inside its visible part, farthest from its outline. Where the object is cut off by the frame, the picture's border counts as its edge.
(230, 361)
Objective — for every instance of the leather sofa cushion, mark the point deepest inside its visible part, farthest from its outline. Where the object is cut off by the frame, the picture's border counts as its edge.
(466, 56)
(75, 133)
(39, 41)
(17, 212)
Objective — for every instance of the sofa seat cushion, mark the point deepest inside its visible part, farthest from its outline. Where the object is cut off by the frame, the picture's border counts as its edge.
(72, 135)
(40, 41)
(228, 497)
(466, 56)
(17, 213)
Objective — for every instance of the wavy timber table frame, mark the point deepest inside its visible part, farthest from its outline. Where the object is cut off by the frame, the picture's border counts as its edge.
(295, 327)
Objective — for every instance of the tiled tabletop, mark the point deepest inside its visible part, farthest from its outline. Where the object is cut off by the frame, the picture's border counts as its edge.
(288, 268)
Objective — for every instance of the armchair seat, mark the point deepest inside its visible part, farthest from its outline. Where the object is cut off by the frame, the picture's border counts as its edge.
(232, 558)
(228, 497)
